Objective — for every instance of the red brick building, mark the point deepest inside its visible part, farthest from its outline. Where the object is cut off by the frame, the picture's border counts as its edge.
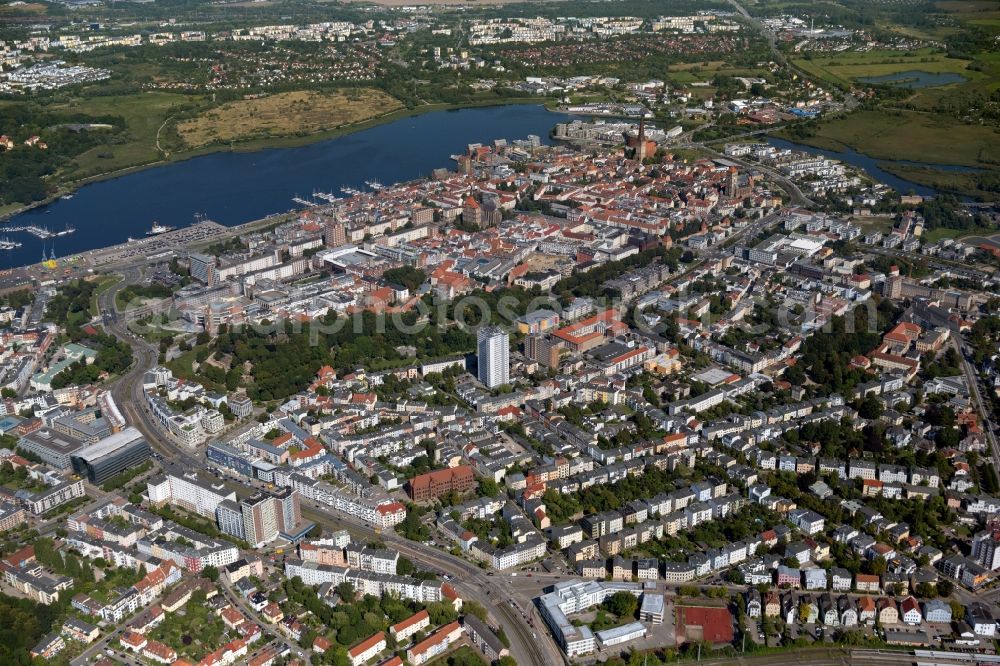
(435, 484)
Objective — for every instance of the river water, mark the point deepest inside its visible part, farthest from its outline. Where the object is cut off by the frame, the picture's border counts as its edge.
(915, 79)
(871, 166)
(236, 187)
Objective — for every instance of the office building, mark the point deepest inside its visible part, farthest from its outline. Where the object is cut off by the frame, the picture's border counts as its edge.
(568, 597)
(240, 405)
(893, 286)
(483, 637)
(289, 511)
(83, 426)
(543, 349)
(335, 234)
(494, 356)
(52, 448)
(111, 456)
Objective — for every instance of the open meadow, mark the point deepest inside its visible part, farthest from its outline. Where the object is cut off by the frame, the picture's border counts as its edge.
(144, 115)
(284, 114)
(844, 69)
(909, 135)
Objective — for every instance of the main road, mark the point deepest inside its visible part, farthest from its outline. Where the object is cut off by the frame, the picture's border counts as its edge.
(530, 645)
(972, 379)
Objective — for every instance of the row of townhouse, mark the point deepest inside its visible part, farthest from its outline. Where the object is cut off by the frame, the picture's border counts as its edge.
(531, 548)
(129, 600)
(381, 512)
(611, 472)
(357, 499)
(579, 548)
(697, 503)
(187, 548)
(109, 551)
(631, 537)
(189, 428)
(368, 582)
(748, 441)
(846, 611)
(53, 496)
(738, 423)
(854, 469)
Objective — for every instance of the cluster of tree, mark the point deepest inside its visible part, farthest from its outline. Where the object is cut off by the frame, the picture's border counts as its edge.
(80, 570)
(70, 307)
(591, 282)
(948, 364)
(22, 624)
(23, 169)
(285, 359)
(18, 299)
(988, 479)
(969, 42)
(355, 619)
(598, 498)
(119, 480)
(412, 527)
(827, 354)
(407, 276)
(946, 211)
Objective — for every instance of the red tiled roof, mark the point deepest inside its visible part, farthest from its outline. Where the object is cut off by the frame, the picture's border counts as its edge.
(19, 557)
(435, 638)
(392, 507)
(440, 476)
(366, 644)
(410, 621)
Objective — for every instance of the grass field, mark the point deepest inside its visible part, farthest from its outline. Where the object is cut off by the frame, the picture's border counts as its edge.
(949, 181)
(143, 113)
(844, 68)
(908, 135)
(284, 114)
(935, 235)
(686, 73)
(26, 8)
(464, 655)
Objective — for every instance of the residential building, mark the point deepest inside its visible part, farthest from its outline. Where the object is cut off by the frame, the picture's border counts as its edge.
(493, 347)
